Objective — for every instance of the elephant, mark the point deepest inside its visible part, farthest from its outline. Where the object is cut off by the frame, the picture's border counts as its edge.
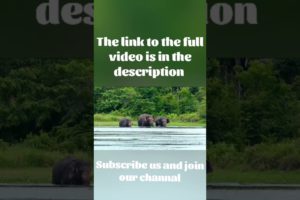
(71, 171)
(125, 123)
(145, 120)
(162, 122)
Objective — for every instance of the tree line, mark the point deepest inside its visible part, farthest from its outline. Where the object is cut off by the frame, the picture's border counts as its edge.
(47, 100)
(158, 101)
(249, 101)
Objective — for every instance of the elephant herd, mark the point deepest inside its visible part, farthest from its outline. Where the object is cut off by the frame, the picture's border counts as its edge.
(73, 171)
(146, 120)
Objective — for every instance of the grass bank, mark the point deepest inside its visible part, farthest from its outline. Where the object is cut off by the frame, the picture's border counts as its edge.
(31, 175)
(254, 177)
(186, 120)
(19, 156)
(180, 124)
(42, 175)
(27, 165)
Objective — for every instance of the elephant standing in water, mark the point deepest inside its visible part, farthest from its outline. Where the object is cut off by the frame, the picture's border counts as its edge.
(125, 123)
(145, 120)
(71, 171)
(162, 122)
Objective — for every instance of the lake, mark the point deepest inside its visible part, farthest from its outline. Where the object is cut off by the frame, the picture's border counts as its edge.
(173, 138)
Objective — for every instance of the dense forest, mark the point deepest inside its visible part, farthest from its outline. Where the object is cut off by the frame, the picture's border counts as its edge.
(253, 111)
(176, 103)
(248, 102)
(47, 103)
(252, 105)
(253, 101)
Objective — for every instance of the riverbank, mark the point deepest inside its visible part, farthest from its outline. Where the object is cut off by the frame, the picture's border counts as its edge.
(31, 175)
(254, 177)
(42, 175)
(172, 124)
(184, 120)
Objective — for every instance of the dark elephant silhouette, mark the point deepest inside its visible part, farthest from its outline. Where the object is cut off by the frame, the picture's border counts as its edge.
(162, 122)
(125, 123)
(71, 171)
(145, 120)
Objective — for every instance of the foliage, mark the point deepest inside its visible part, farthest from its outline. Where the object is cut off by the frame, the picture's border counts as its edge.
(224, 156)
(253, 177)
(49, 99)
(254, 103)
(108, 117)
(22, 156)
(283, 156)
(48, 104)
(186, 104)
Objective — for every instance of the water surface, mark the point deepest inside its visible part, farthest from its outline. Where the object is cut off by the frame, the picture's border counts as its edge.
(106, 138)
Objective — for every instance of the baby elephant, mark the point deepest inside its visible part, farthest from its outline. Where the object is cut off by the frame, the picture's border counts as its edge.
(71, 171)
(125, 123)
(145, 120)
(162, 122)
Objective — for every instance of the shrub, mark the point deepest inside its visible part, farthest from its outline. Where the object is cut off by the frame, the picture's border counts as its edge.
(3, 145)
(224, 155)
(17, 156)
(42, 141)
(268, 156)
(107, 117)
(189, 117)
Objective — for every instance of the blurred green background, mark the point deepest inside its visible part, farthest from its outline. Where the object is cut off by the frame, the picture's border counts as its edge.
(149, 19)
